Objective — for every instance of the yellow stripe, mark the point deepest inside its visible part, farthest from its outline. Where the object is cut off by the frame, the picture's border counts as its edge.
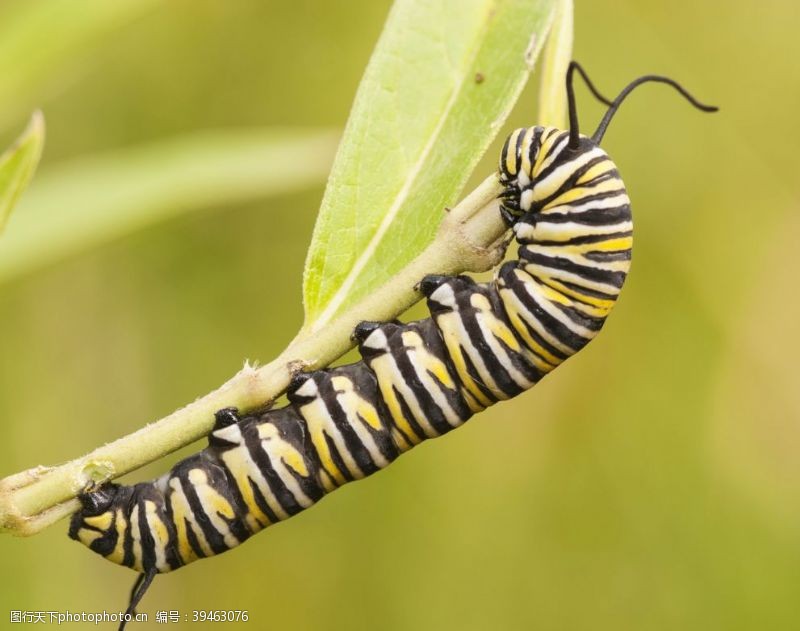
(160, 535)
(525, 165)
(577, 193)
(511, 154)
(87, 537)
(179, 506)
(316, 416)
(117, 555)
(239, 466)
(136, 537)
(602, 305)
(284, 449)
(549, 135)
(453, 344)
(101, 522)
(597, 170)
(543, 358)
(390, 399)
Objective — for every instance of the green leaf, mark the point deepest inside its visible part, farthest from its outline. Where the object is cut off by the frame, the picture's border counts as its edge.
(90, 200)
(556, 56)
(442, 79)
(17, 165)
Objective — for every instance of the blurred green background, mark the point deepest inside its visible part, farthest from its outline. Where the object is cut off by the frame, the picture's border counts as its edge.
(651, 483)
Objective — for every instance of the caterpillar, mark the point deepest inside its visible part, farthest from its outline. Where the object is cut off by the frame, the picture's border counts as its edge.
(569, 211)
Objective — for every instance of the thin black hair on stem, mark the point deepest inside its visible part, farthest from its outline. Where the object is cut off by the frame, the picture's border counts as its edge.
(574, 133)
(601, 129)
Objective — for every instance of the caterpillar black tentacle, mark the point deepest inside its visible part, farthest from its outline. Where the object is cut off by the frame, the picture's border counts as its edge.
(483, 342)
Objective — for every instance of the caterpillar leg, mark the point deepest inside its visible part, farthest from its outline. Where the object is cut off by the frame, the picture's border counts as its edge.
(364, 329)
(431, 283)
(225, 417)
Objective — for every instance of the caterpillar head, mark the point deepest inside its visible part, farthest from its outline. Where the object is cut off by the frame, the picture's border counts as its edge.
(531, 154)
(526, 151)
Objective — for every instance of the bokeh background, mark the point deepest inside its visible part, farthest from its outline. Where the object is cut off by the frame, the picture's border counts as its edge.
(653, 482)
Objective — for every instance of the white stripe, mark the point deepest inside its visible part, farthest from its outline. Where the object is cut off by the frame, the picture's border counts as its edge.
(274, 446)
(405, 391)
(551, 272)
(621, 199)
(501, 354)
(253, 472)
(547, 231)
(349, 400)
(531, 320)
(549, 184)
(205, 491)
(417, 355)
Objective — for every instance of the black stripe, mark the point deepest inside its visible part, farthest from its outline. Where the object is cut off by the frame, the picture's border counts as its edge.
(556, 163)
(558, 330)
(518, 150)
(586, 291)
(508, 278)
(408, 415)
(337, 458)
(499, 373)
(232, 493)
(609, 277)
(255, 448)
(583, 294)
(172, 556)
(213, 536)
(584, 199)
(589, 217)
(608, 256)
(588, 238)
(578, 317)
(365, 384)
(146, 540)
(536, 145)
(476, 379)
(352, 442)
(504, 173)
(571, 181)
(435, 345)
(577, 172)
(261, 502)
(433, 413)
(127, 558)
(292, 429)
(194, 543)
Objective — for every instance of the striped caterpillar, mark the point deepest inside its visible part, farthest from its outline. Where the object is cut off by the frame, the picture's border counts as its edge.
(569, 211)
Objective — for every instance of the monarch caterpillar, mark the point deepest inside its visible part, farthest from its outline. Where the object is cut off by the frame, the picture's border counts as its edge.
(568, 208)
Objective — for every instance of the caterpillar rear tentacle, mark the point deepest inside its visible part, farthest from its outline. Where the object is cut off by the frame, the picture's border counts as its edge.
(483, 342)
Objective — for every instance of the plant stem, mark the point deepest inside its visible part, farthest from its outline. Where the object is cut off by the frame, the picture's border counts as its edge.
(470, 238)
